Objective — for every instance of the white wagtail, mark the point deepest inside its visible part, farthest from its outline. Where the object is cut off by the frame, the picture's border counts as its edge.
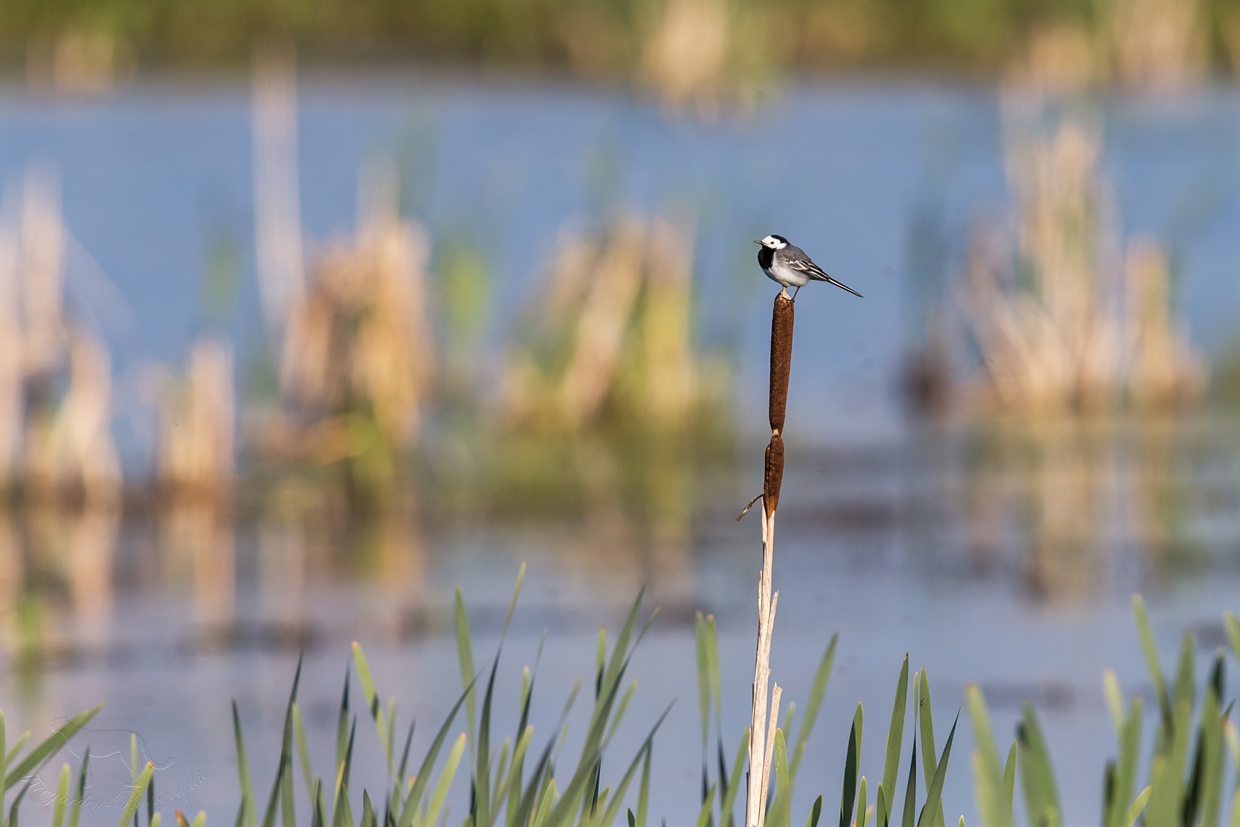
(790, 267)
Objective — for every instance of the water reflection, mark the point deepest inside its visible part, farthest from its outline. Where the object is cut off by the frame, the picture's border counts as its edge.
(57, 564)
(1060, 512)
(1086, 503)
(198, 553)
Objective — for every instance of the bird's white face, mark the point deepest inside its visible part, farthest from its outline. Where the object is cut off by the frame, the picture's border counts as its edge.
(773, 243)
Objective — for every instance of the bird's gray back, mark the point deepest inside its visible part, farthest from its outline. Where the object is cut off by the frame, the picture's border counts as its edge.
(791, 253)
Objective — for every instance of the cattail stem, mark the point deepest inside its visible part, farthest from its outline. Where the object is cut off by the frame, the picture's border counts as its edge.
(762, 729)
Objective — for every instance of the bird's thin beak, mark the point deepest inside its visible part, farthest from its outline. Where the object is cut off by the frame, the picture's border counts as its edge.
(756, 241)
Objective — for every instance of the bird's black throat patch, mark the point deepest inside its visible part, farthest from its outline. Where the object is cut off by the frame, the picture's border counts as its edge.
(766, 257)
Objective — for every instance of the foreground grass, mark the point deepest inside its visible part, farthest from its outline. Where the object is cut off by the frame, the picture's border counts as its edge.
(523, 779)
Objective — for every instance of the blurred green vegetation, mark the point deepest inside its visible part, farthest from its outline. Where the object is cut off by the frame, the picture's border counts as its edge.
(591, 37)
(1225, 383)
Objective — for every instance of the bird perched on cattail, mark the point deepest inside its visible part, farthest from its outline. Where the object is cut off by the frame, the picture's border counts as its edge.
(789, 266)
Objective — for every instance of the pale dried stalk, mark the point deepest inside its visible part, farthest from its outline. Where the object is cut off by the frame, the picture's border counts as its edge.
(760, 745)
(776, 693)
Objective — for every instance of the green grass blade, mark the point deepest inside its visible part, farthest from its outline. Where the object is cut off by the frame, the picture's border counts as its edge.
(933, 808)
(852, 760)
(1134, 810)
(483, 816)
(817, 691)
(299, 731)
(340, 796)
(815, 813)
(372, 702)
(413, 800)
(925, 715)
(1126, 768)
(285, 767)
(910, 790)
(316, 808)
(11, 755)
(600, 660)
(988, 774)
(404, 762)
(1185, 681)
(47, 748)
(780, 811)
(445, 779)
(1167, 774)
(643, 791)
(62, 796)
(249, 816)
(895, 734)
(17, 803)
(716, 683)
(1232, 625)
(704, 703)
(533, 798)
(1037, 775)
(341, 812)
(75, 810)
(1151, 655)
(1210, 737)
(1115, 700)
(516, 774)
(643, 754)
(482, 773)
(862, 802)
(604, 702)
(512, 604)
(369, 819)
(880, 808)
(501, 775)
(136, 794)
(342, 722)
(1009, 781)
(703, 819)
(547, 800)
(465, 657)
(288, 808)
(703, 675)
(621, 708)
(1213, 728)
(729, 798)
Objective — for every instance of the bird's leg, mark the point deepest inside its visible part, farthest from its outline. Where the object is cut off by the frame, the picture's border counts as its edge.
(794, 294)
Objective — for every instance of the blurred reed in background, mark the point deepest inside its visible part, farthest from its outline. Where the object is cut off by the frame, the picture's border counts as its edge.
(1065, 315)
(55, 374)
(612, 335)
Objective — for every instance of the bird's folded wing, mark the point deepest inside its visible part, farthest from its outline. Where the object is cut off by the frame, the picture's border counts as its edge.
(807, 266)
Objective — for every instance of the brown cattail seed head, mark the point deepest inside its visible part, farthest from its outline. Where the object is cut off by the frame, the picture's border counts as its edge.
(781, 358)
(774, 475)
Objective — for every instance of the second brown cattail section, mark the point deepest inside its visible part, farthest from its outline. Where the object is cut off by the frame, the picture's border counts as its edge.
(774, 474)
(781, 363)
